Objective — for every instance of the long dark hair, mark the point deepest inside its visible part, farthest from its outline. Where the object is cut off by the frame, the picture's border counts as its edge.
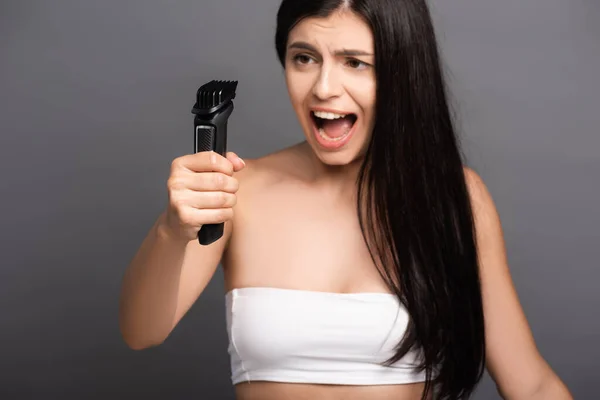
(413, 204)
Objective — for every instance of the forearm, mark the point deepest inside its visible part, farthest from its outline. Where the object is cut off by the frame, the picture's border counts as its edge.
(150, 289)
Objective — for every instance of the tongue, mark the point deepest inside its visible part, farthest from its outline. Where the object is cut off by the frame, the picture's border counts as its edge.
(336, 127)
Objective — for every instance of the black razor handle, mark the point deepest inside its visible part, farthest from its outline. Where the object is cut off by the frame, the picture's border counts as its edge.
(213, 107)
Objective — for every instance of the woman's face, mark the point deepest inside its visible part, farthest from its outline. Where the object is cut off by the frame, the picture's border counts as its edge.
(331, 82)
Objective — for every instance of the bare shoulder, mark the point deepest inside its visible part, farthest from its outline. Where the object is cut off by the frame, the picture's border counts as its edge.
(478, 190)
(483, 205)
(274, 167)
(258, 181)
(265, 176)
(489, 233)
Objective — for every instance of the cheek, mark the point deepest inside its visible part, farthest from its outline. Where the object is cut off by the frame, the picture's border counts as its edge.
(368, 98)
(364, 95)
(298, 86)
(360, 85)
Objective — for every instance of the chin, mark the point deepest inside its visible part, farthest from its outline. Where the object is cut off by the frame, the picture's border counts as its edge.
(335, 160)
(349, 154)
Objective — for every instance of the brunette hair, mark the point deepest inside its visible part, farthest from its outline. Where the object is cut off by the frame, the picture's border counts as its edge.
(413, 205)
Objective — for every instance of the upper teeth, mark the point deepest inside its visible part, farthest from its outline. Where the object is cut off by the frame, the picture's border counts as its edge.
(328, 115)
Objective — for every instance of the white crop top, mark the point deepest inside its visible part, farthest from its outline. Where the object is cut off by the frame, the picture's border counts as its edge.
(298, 336)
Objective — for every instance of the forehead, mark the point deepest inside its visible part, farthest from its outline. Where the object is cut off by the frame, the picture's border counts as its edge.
(340, 29)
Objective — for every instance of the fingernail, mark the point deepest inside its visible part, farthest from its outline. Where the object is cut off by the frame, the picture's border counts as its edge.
(242, 161)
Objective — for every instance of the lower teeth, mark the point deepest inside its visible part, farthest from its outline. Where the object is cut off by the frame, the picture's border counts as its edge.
(330, 139)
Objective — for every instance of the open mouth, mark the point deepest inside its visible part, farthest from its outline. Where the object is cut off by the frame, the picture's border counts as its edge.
(332, 126)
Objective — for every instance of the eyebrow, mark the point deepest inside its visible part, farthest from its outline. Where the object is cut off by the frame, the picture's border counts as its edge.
(342, 52)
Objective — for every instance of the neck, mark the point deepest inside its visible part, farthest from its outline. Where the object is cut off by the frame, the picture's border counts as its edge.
(338, 180)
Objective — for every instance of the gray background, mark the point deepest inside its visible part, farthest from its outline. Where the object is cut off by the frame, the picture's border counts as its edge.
(95, 103)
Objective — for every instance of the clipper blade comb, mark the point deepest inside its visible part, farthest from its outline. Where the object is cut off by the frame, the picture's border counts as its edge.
(214, 105)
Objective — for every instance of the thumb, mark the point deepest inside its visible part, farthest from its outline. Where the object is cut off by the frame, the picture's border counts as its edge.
(238, 163)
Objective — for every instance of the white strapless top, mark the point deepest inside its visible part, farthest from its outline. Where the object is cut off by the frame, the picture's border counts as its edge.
(298, 336)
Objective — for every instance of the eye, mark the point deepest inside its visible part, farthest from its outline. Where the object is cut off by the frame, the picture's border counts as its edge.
(356, 64)
(302, 59)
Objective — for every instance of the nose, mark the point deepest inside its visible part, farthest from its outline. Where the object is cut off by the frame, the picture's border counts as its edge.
(328, 83)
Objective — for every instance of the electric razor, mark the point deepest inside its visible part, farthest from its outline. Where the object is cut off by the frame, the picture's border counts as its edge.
(212, 109)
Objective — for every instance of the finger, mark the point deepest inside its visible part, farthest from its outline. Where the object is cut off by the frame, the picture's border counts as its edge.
(205, 161)
(208, 215)
(238, 163)
(209, 181)
(204, 181)
(211, 200)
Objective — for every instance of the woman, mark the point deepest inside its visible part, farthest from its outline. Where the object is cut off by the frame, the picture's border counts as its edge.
(360, 263)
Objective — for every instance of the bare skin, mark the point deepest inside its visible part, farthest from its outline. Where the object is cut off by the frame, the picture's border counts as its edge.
(319, 247)
(279, 391)
(291, 222)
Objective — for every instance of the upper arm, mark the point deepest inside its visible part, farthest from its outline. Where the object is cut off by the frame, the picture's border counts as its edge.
(513, 360)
